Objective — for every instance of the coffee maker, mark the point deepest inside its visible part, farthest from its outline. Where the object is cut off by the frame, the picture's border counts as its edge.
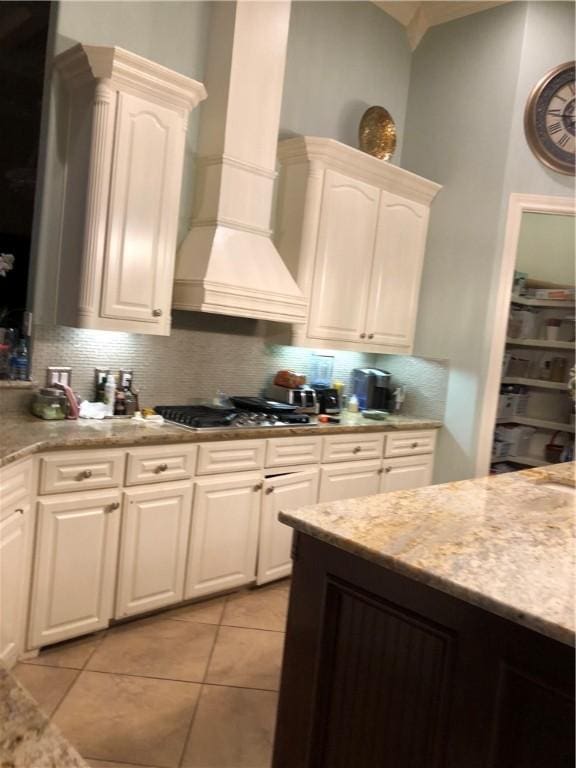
(373, 388)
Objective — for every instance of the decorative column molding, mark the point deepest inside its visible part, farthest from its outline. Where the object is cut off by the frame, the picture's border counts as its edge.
(97, 197)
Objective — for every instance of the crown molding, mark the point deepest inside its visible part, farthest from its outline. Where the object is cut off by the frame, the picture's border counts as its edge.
(419, 17)
(84, 64)
(334, 154)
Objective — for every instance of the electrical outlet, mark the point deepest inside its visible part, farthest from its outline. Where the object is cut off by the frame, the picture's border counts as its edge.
(57, 374)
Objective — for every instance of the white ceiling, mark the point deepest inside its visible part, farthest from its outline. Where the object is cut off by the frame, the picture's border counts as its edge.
(418, 17)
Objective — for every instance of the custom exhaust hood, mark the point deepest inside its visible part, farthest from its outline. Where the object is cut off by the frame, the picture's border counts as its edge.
(227, 263)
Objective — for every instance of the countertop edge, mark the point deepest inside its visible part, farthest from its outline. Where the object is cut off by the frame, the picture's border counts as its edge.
(429, 578)
(156, 437)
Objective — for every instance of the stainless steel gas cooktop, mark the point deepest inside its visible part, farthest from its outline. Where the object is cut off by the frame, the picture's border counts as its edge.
(203, 417)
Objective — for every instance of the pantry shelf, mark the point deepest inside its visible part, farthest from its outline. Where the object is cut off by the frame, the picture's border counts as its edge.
(542, 302)
(544, 343)
(526, 421)
(539, 383)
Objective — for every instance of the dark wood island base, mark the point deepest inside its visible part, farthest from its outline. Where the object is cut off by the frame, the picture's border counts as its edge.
(384, 671)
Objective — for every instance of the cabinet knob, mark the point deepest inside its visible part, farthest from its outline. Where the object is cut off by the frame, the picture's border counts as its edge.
(161, 467)
(362, 335)
(356, 449)
(370, 335)
(156, 313)
(112, 507)
(388, 469)
(380, 471)
(85, 474)
(413, 445)
(270, 489)
(19, 511)
(258, 486)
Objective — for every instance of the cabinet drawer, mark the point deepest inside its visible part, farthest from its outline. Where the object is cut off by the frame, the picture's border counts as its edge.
(288, 451)
(236, 456)
(15, 487)
(410, 443)
(80, 471)
(350, 447)
(160, 463)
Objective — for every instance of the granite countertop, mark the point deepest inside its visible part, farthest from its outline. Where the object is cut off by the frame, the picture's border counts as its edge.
(27, 740)
(23, 435)
(503, 543)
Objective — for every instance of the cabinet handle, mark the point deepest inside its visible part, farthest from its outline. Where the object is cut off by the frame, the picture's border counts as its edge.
(112, 507)
(270, 489)
(380, 471)
(414, 445)
(161, 467)
(388, 469)
(258, 486)
(356, 449)
(370, 335)
(19, 511)
(85, 474)
(156, 313)
(362, 335)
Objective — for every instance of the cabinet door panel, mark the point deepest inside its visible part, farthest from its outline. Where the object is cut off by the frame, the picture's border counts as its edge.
(343, 259)
(407, 473)
(284, 492)
(144, 193)
(14, 562)
(224, 533)
(76, 556)
(153, 547)
(349, 480)
(395, 283)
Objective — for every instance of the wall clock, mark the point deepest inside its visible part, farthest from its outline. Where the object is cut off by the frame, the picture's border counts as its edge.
(549, 119)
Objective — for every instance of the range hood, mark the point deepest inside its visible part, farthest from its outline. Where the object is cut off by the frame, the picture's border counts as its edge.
(227, 263)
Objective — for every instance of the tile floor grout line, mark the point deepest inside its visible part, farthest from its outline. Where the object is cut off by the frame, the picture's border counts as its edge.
(208, 662)
(256, 629)
(72, 684)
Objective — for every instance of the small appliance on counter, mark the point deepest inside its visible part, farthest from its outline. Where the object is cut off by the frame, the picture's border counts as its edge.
(303, 398)
(291, 388)
(328, 400)
(373, 388)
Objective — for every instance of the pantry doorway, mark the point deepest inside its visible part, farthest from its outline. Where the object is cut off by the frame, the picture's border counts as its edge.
(532, 334)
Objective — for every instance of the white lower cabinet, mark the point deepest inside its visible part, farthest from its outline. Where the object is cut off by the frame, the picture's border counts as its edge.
(406, 473)
(14, 580)
(153, 547)
(224, 533)
(75, 569)
(349, 479)
(298, 489)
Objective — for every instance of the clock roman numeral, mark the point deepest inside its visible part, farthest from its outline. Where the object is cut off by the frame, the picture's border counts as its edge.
(571, 86)
(554, 128)
(557, 96)
(563, 140)
(556, 112)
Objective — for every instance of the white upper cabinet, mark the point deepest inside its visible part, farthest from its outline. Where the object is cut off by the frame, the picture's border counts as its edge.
(123, 154)
(395, 280)
(343, 258)
(352, 231)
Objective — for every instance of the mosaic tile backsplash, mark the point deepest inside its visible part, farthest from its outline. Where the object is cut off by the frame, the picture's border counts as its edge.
(207, 353)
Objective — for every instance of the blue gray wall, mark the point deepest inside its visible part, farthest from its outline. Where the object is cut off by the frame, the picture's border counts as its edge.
(469, 84)
(343, 57)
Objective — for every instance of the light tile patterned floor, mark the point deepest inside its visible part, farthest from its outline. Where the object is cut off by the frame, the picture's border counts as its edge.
(193, 687)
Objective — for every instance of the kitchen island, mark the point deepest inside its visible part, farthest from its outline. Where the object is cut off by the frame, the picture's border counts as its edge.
(433, 627)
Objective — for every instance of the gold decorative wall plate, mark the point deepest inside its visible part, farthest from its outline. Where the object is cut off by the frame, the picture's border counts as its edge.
(377, 133)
